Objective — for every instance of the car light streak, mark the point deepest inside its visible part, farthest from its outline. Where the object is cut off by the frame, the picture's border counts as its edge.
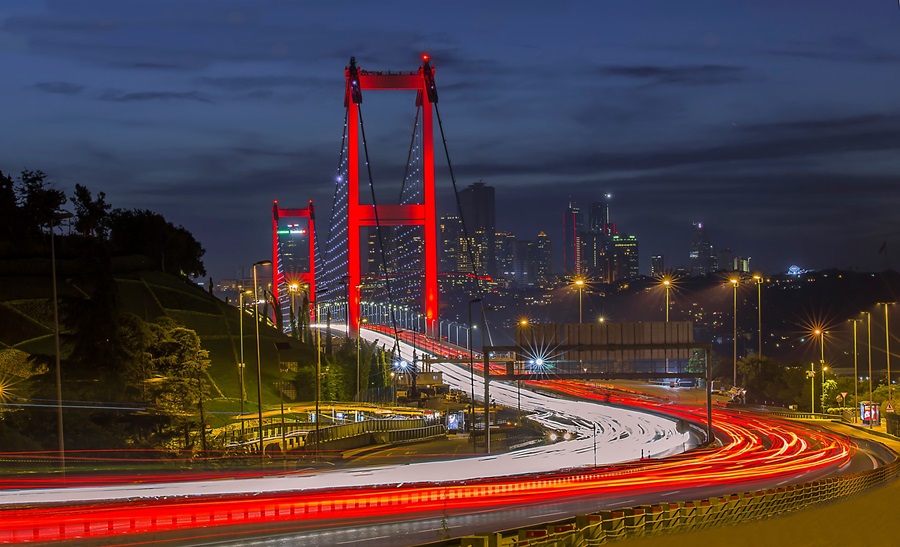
(754, 450)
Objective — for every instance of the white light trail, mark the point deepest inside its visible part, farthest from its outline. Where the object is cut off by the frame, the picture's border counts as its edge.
(622, 435)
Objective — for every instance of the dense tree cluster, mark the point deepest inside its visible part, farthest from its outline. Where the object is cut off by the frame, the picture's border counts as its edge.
(30, 204)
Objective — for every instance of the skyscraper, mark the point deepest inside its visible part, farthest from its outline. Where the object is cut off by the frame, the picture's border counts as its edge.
(702, 258)
(571, 240)
(504, 255)
(524, 264)
(479, 214)
(657, 266)
(451, 235)
(625, 249)
(543, 256)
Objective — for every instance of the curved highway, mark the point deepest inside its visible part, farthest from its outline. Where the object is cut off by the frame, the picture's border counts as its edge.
(418, 503)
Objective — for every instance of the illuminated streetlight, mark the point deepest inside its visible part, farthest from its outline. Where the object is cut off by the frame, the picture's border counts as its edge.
(734, 285)
(59, 413)
(869, 355)
(579, 282)
(759, 280)
(667, 283)
(241, 293)
(887, 347)
(821, 334)
(855, 372)
(359, 322)
(262, 455)
(471, 370)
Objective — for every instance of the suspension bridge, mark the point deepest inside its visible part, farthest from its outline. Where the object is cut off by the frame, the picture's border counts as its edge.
(400, 250)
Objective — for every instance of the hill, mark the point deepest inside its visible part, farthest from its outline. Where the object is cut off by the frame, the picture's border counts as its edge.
(26, 321)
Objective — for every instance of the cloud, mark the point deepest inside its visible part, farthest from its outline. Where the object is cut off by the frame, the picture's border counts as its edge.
(824, 124)
(59, 88)
(678, 75)
(117, 96)
(243, 83)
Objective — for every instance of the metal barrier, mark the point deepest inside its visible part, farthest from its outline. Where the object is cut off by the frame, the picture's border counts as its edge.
(66, 522)
(299, 434)
(687, 516)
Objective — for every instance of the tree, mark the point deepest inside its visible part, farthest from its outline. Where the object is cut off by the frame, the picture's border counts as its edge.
(178, 387)
(40, 203)
(91, 215)
(172, 248)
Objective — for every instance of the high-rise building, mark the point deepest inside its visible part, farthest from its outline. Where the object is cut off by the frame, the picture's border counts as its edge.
(657, 266)
(595, 249)
(479, 214)
(725, 260)
(524, 264)
(542, 257)
(451, 235)
(702, 258)
(625, 249)
(571, 240)
(504, 254)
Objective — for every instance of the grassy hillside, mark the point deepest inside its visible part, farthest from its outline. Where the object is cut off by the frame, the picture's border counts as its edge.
(26, 324)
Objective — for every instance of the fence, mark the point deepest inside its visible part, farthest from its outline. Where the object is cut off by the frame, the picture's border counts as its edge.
(645, 520)
(68, 522)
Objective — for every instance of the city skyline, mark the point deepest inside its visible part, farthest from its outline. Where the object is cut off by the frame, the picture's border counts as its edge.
(766, 133)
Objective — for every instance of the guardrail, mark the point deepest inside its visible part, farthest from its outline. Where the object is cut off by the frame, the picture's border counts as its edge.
(30, 524)
(662, 518)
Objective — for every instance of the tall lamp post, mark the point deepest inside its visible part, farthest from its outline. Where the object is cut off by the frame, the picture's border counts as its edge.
(821, 334)
(487, 373)
(667, 283)
(318, 375)
(579, 282)
(59, 411)
(262, 455)
(734, 285)
(887, 347)
(471, 370)
(869, 356)
(358, 337)
(241, 293)
(759, 279)
(855, 369)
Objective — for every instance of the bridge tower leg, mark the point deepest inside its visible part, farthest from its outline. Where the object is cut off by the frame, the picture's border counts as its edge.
(359, 215)
(284, 275)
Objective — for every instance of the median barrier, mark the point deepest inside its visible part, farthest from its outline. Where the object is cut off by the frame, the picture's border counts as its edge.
(605, 526)
(63, 523)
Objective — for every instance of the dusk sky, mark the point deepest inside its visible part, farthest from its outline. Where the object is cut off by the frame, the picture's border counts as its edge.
(777, 124)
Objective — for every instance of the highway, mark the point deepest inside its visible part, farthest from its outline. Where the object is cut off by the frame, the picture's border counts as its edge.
(416, 503)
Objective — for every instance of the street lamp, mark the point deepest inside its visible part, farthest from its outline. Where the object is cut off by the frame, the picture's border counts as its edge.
(487, 373)
(59, 412)
(241, 293)
(262, 455)
(734, 285)
(812, 387)
(759, 280)
(869, 355)
(579, 282)
(471, 369)
(821, 334)
(855, 369)
(667, 283)
(887, 346)
(358, 336)
(318, 375)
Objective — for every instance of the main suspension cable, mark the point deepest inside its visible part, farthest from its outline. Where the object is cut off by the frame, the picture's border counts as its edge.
(384, 264)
